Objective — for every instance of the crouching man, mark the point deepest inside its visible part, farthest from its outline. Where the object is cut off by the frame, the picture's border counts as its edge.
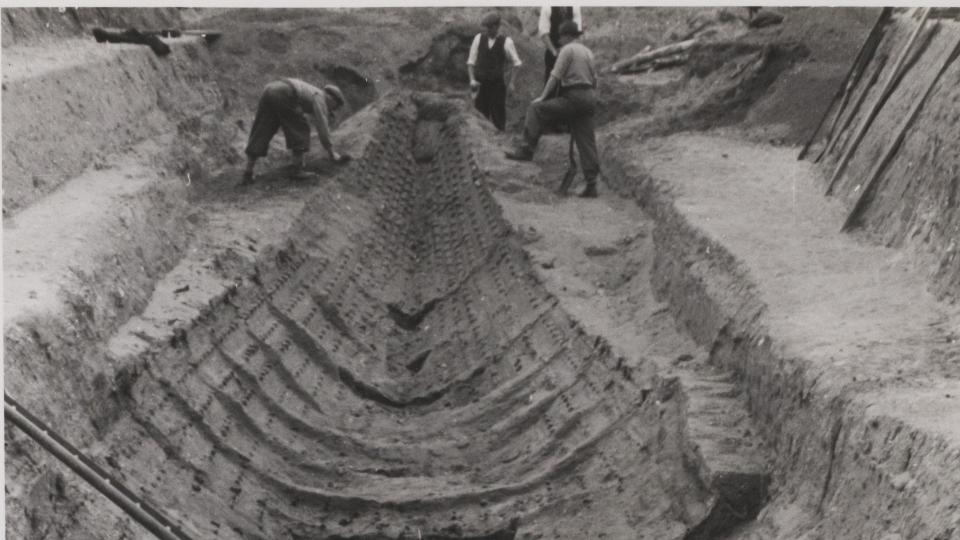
(576, 75)
(288, 104)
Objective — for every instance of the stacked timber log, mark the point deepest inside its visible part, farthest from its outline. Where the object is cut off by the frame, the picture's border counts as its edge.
(666, 56)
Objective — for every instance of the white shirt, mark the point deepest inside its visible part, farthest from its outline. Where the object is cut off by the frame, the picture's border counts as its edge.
(508, 48)
(543, 26)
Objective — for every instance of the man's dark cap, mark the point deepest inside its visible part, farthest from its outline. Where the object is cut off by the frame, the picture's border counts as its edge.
(569, 28)
(490, 19)
(334, 91)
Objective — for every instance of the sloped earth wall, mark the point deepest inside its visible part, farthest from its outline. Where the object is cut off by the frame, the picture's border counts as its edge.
(914, 201)
(69, 111)
(854, 469)
(105, 164)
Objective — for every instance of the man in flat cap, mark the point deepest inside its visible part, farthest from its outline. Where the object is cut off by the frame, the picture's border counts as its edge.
(287, 104)
(488, 69)
(576, 74)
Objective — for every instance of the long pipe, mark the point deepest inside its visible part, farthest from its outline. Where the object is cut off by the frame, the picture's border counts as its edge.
(136, 508)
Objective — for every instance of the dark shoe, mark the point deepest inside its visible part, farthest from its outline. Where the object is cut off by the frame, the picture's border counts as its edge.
(301, 174)
(247, 178)
(519, 154)
(589, 192)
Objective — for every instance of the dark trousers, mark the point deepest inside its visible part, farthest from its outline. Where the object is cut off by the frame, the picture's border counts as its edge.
(278, 109)
(575, 107)
(549, 60)
(491, 101)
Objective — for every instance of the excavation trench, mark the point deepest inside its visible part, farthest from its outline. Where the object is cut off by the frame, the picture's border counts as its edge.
(398, 370)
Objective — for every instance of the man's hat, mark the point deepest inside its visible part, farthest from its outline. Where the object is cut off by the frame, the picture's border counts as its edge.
(336, 93)
(490, 19)
(569, 28)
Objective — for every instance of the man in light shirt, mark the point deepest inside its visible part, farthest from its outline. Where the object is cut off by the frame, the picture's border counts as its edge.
(575, 74)
(488, 69)
(548, 29)
(287, 104)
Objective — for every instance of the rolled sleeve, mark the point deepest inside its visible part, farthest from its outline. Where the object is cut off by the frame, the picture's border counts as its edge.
(474, 49)
(543, 24)
(511, 51)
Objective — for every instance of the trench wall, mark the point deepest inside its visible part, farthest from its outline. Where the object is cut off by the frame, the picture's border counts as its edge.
(915, 201)
(32, 26)
(67, 109)
(97, 141)
(834, 459)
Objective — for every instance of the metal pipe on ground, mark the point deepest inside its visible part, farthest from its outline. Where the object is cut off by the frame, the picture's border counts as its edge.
(142, 512)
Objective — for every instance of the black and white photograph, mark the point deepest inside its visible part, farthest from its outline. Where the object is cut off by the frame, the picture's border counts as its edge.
(388, 271)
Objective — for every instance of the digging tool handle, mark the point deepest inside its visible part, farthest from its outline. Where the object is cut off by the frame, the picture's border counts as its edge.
(571, 172)
(881, 99)
(136, 508)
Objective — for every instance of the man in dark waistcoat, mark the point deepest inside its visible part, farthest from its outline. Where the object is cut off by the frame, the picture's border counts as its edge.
(489, 70)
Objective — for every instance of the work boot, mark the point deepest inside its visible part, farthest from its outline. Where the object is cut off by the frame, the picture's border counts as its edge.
(247, 178)
(589, 192)
(297, 168)
(520, 153)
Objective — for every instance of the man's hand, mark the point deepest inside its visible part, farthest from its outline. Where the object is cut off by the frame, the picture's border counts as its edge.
(474, 84)
(511, 88)
(335, 156)
(537, 99)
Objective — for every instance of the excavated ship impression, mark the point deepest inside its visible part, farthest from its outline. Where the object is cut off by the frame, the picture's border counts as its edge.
(397, 370)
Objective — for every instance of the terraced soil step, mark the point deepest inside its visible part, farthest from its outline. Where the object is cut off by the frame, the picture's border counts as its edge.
(849, 364)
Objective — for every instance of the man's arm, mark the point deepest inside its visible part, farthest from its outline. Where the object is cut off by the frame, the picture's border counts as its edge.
(563, 63)
(472, 60)
(548, 88)
(543, 29)
(578, 17)
(515, 62)
(319, 117)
